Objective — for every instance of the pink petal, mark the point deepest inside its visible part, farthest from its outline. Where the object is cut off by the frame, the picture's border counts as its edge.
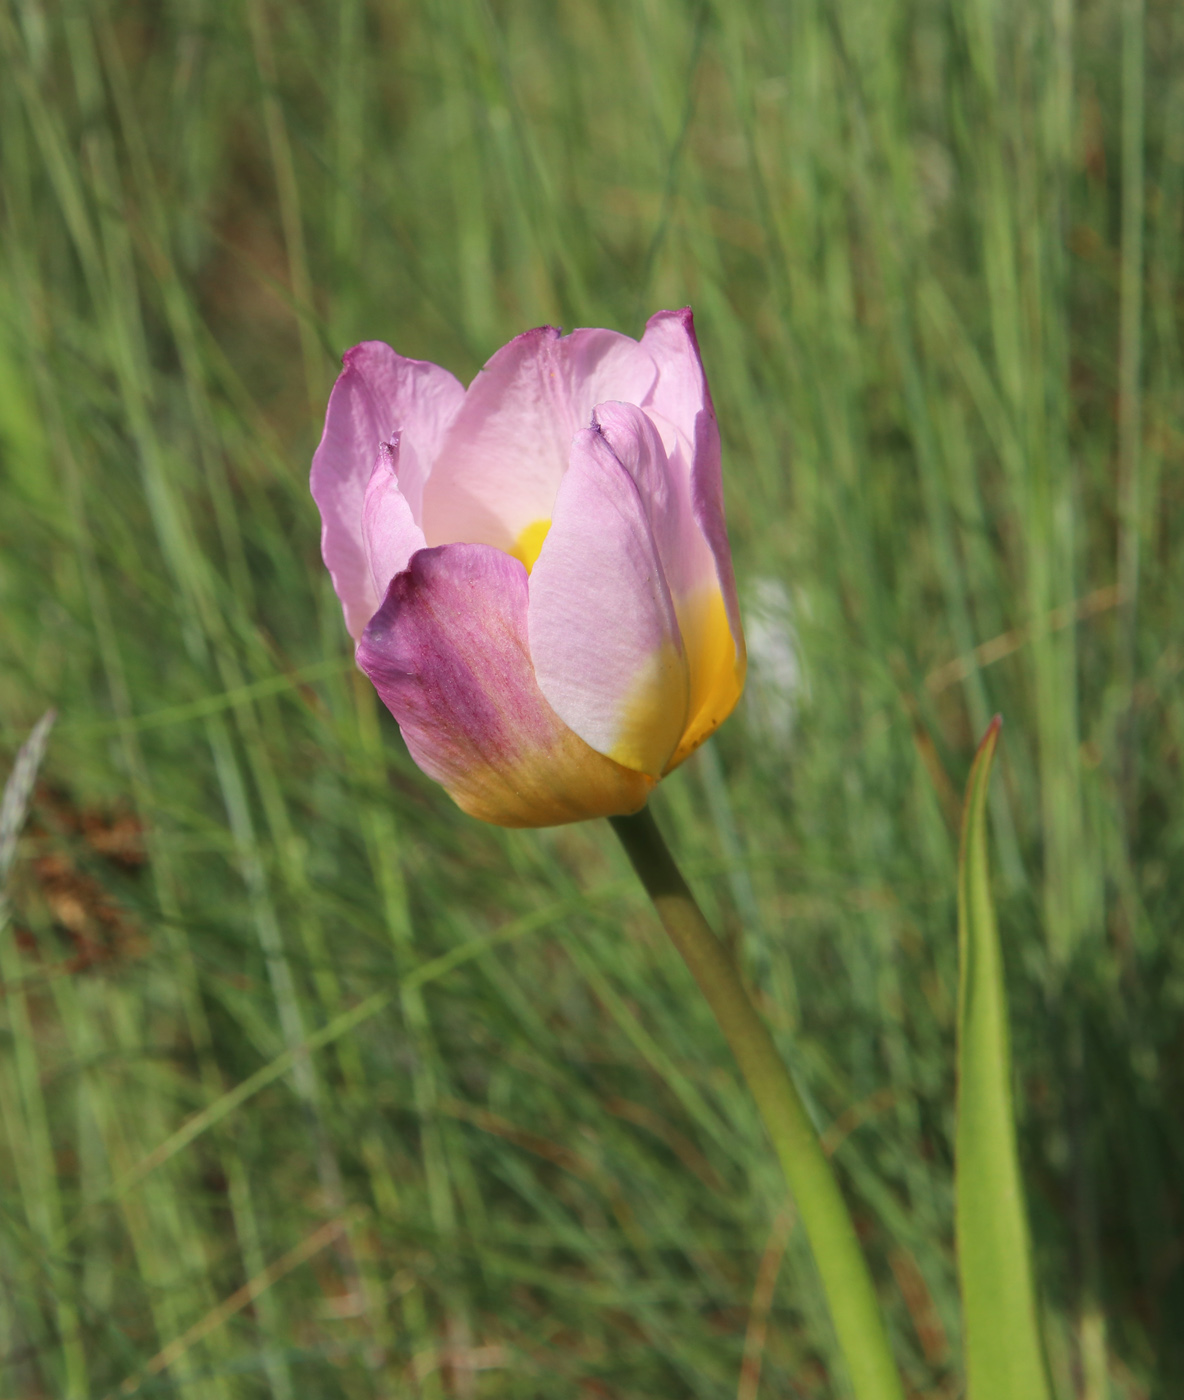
(680, 402)
(680, 392)
(664, 487)
(506, 452)
(377, 395)
(604, 637)
(703, 582)
(448, 654)
(389, 532)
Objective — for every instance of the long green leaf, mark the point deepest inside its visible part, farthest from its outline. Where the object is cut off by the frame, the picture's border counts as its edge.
(1004, 1353)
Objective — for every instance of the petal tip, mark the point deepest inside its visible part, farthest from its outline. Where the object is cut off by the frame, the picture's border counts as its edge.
(353, 358)
(684, 316)
(536, 333)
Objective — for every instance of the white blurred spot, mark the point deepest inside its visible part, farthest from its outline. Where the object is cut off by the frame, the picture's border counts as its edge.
(776, 683)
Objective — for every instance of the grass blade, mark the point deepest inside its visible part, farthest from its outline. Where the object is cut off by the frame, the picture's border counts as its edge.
(1004, 1354)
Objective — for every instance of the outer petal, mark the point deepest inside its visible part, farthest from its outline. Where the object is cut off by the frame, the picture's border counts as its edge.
(664, 489)
(704, 583)
(389, 532)
(377, 394)
(506, 452)
(448, 653)
(680, 392)
(604, 637)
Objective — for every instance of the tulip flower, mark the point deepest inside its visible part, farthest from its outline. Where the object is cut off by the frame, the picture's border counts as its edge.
(536, 569)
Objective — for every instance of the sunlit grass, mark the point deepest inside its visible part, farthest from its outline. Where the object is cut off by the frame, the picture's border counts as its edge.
(934, 256)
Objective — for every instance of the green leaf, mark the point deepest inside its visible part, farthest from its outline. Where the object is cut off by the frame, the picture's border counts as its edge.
(1003, 1348)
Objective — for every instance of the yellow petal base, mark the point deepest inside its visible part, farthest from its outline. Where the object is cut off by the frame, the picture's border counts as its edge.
(719, 664)
(565, 782)
(530, 542)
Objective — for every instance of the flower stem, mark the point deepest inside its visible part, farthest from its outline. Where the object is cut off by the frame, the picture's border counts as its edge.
(841, 1265)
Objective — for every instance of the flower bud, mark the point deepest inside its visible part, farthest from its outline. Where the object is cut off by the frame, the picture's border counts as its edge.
(536, 570)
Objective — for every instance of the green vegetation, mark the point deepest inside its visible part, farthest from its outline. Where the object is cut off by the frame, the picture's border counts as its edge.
(991, 1227)
(934, 254)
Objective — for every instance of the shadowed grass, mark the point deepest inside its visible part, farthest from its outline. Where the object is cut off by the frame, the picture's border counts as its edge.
(934, 256)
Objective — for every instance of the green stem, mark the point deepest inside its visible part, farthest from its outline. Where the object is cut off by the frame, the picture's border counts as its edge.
(841, 1265)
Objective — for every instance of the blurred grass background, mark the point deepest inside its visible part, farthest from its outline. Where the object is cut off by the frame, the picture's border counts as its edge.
(934, 253)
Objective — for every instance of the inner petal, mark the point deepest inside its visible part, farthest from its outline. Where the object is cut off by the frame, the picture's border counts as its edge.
(498, 469)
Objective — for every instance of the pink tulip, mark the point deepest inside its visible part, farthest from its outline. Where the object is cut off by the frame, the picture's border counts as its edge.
(536, 570)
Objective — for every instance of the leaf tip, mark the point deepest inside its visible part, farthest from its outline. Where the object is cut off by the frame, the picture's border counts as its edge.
(979, 770)
(986, 746)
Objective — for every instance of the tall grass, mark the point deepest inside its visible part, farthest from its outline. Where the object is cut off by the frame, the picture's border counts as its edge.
(934, 255)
